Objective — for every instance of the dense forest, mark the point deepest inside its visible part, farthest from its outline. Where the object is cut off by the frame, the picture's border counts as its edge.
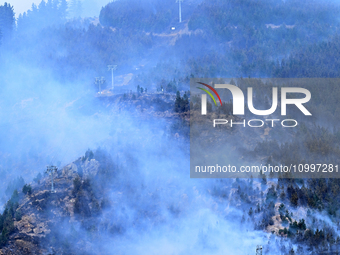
(239, 38)
(153, 16)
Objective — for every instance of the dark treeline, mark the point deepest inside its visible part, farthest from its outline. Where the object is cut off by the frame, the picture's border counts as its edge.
(7, 21)
(310, 232)
(258, 34)
(46, 37)
(229, 38)
(134, 14)
(317, 60)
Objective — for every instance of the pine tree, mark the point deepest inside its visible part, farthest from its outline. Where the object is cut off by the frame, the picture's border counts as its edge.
(42, 7)
(7, 20)
(178, 101)
(34, 9)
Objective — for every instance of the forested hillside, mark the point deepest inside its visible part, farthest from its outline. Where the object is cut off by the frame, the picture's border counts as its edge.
(131, 190)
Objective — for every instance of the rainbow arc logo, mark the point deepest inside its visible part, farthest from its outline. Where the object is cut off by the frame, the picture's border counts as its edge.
(209, 93)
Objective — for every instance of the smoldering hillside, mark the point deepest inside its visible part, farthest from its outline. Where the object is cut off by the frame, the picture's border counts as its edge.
(128, 189)
(135, 198)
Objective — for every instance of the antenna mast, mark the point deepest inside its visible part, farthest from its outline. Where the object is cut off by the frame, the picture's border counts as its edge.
(112, 68)
(99, 81)
(180, 10)
(52, 170)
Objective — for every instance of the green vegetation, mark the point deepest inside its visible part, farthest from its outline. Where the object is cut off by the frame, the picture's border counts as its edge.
(260, 33)
(88, 155)
(37, 179)
(7, 21)
(154, 16)
(27, 189)
(13, 185)
(7, 218)
(181, 103)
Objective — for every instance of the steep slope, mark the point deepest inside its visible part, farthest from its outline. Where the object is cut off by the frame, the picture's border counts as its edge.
(44, 213)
